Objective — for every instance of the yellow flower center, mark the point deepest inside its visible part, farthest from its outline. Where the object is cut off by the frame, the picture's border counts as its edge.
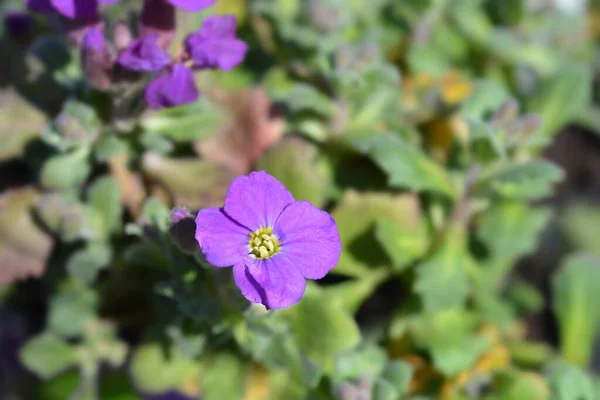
(263, 243)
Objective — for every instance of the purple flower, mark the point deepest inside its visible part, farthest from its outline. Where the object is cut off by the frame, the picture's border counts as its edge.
(192, 5)
(144, 55)
(272, 241)
(214, 45)
(173, 88)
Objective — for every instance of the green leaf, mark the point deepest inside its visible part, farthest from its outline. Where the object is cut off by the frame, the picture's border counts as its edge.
(104, 196)
(576, 294)
(224, 379)
(337, 328)
(526, 181)
(580, 223)
(71, 311)
(384, 390)
(15, 133)
(448, 336)
(511, 230)
(403, 244)
(306, 98)
(85, 264)
(47, 355)
(366, 361)
(351, 293)
(568, 382)
(356, 217)
(399, 374)
(562, 98)
(405, 165)
(293, 161)
(186, 123)
(76, 125)
(64, 171)
(486, 98)
(155, 370)
(156, 212)
(486, 144)
(521, 385)
(442, 280)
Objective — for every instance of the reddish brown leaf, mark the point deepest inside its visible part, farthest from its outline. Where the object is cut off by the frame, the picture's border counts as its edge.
(254, 128)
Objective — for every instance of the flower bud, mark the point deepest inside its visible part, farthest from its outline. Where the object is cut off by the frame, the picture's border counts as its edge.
(182, 227)
(96, 60)
(121, 36)
(158, 16)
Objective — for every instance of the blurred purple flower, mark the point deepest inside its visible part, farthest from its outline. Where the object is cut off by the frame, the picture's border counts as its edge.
(214, 45)
(272, 241)
(144, 55)
(172, 88)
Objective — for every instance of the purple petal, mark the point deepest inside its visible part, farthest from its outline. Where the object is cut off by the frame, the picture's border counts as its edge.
(144, 55)
(76, 9)
(275, 282)
(223, 241)
(94, 41)
(256, 200)
(192, 5)
(309, 238)
(214, 45)
(174, 88)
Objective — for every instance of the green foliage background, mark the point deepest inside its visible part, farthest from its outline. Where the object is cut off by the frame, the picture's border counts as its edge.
(419, 124)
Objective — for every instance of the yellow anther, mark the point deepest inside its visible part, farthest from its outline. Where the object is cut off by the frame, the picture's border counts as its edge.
(263, 243)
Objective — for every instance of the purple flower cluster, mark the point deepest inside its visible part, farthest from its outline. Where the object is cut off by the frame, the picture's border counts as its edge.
(272, 241)
(214, 45)
(84, 9)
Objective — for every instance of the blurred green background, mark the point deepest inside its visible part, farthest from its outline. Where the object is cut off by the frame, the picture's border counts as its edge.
(455, 142)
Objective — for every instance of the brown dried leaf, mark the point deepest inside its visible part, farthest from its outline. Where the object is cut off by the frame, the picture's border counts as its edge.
(255, 127)
(24, 248)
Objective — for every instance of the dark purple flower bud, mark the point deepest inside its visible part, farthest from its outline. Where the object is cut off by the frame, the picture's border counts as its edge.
(17, 24)
(144, 55)
(182, 227)
(96, 60)
(173, 88)
(122, 36)
(40, 6)
(214, 45)
(158, 17)
(192, 5)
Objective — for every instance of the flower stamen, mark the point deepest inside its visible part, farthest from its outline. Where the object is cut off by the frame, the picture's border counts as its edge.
(263, 243)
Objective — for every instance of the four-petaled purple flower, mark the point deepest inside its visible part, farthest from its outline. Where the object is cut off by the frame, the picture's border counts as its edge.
(272, 241)
(214, 45)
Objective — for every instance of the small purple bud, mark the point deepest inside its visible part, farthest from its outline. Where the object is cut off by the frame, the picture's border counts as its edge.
(173, 88)
(122, 37)
(96, 60)
(182, 227)
(158, 17)
(144, 55)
